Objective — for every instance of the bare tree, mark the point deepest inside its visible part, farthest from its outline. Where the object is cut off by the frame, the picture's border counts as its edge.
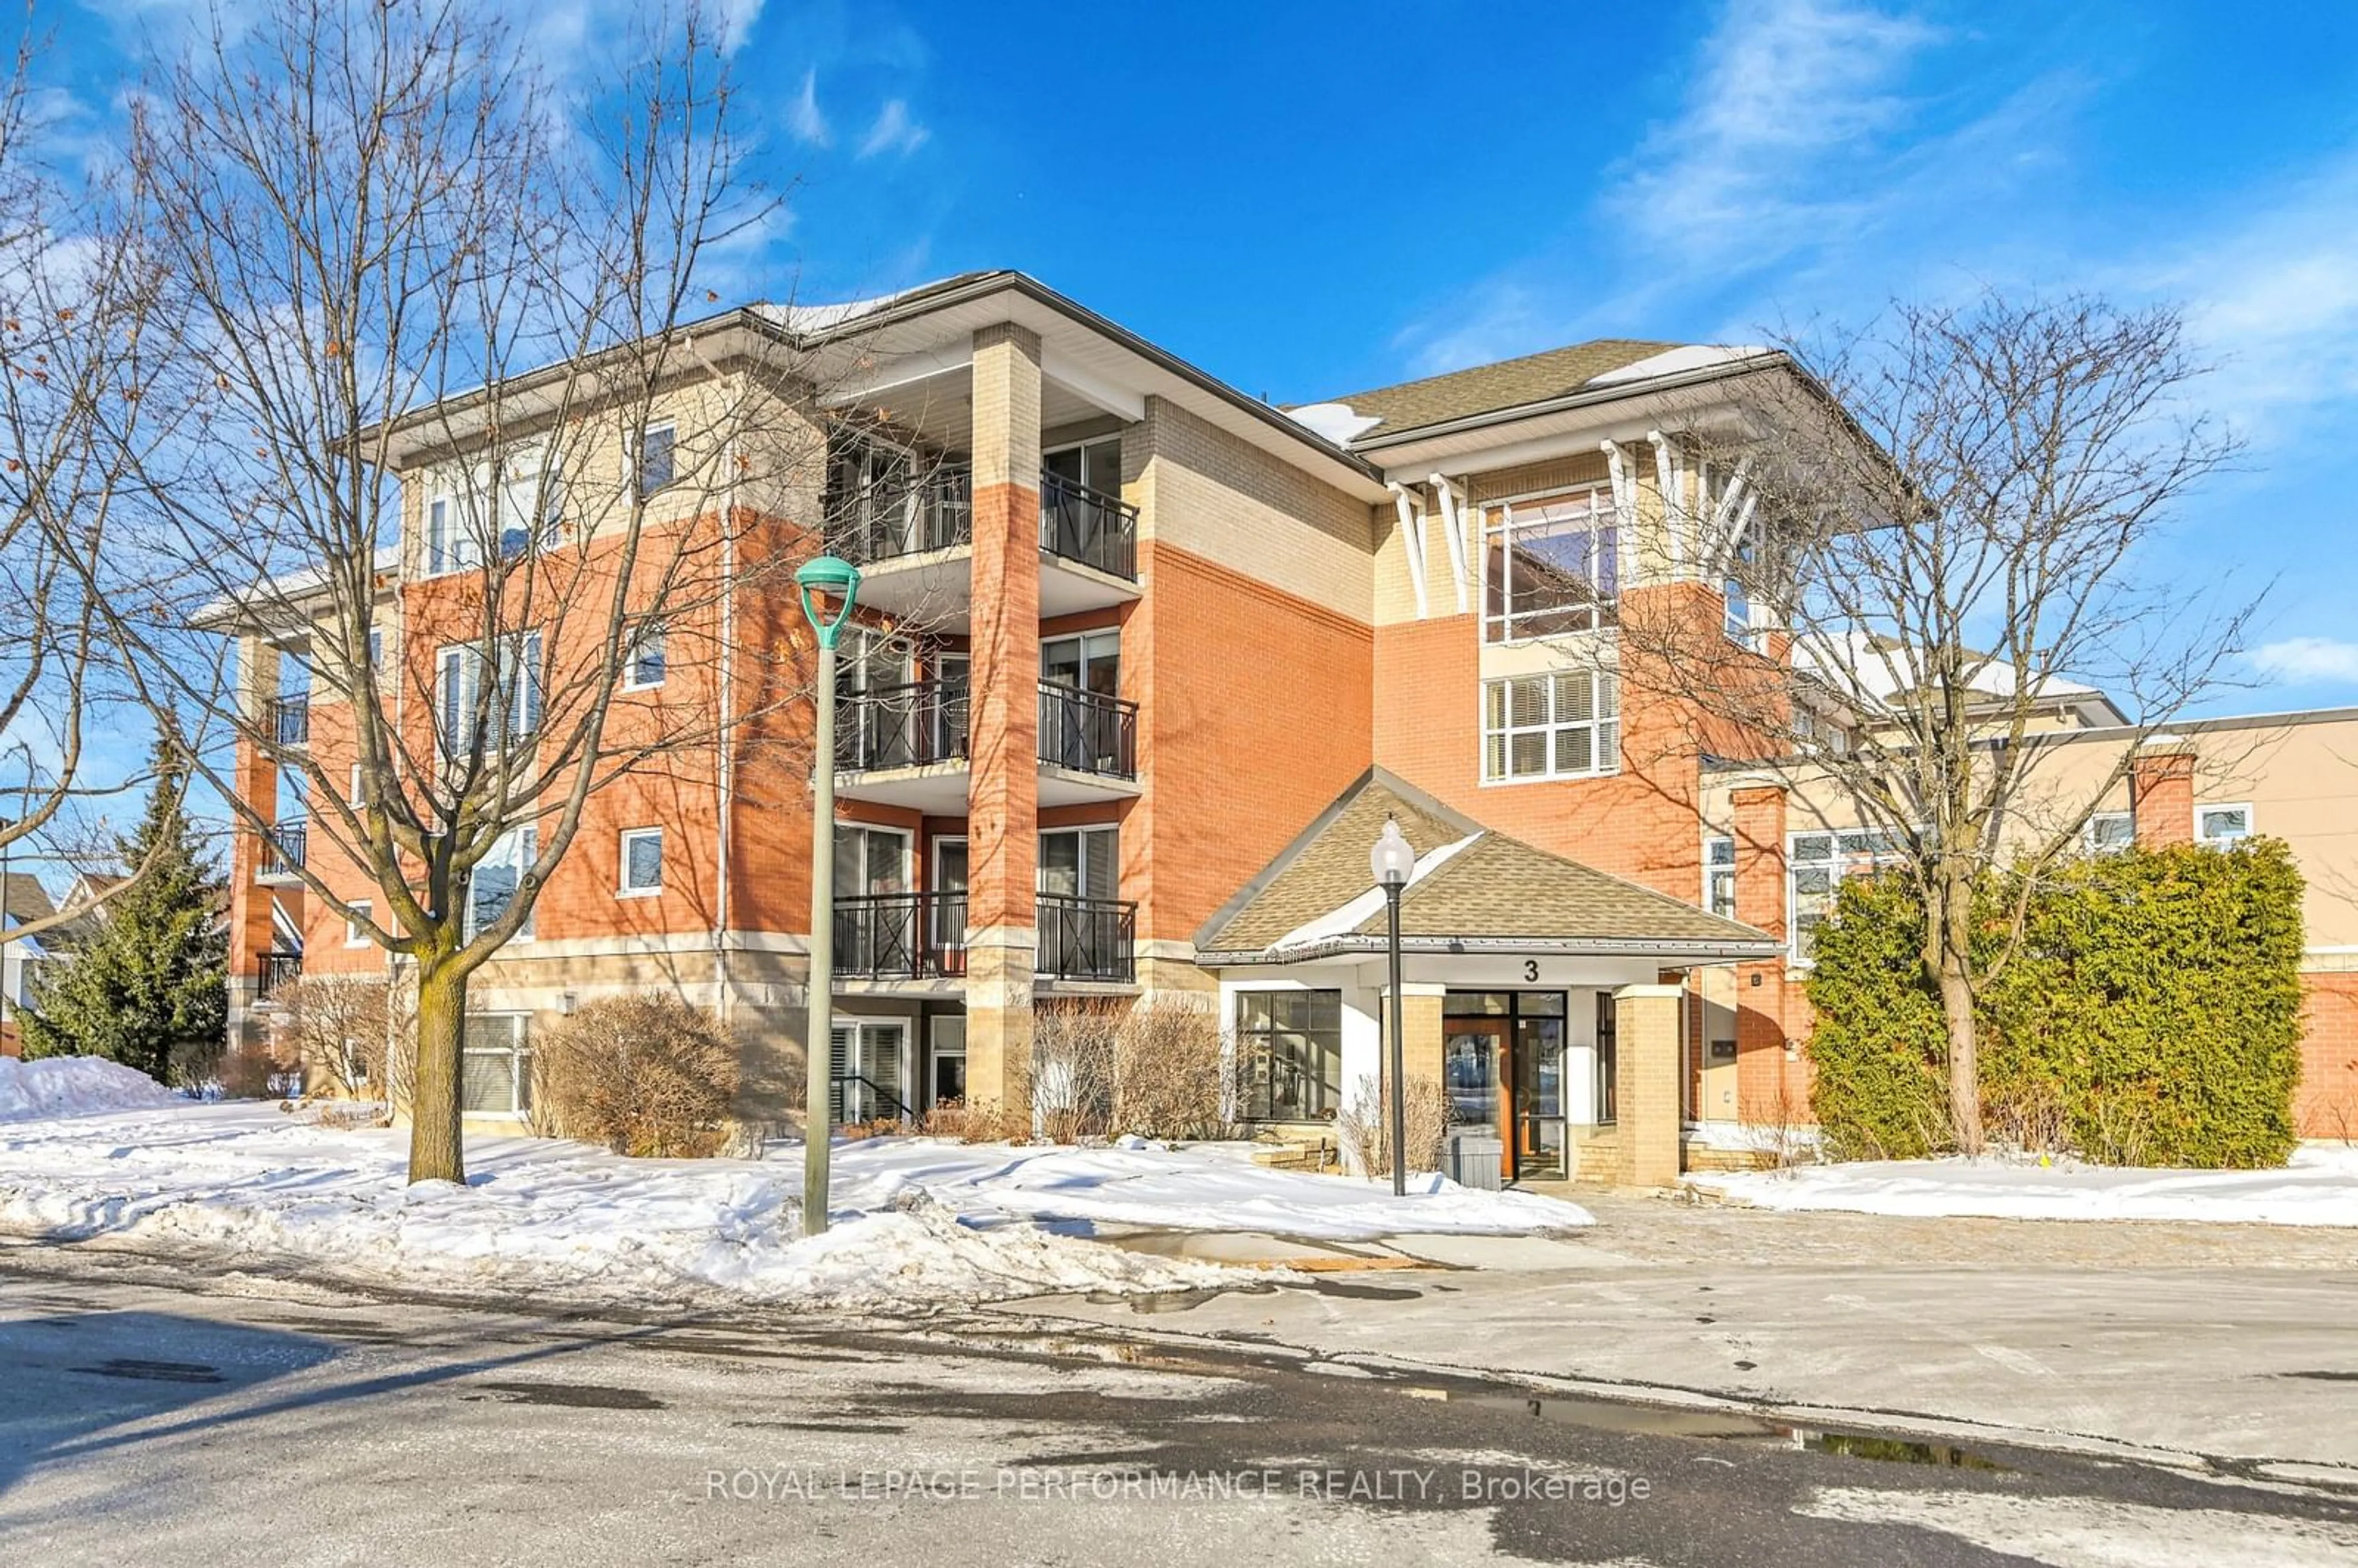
(464, 438)
(1922, 552)
(74, 298)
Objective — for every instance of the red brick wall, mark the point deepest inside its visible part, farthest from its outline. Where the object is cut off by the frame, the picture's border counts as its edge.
(2326, 1106)
(2161, 794)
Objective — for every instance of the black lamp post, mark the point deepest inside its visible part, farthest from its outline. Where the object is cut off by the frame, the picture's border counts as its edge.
(1392, 859)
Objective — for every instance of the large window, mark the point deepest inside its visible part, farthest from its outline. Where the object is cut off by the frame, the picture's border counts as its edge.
(1290, 1048)
(513, 713)
(870, 861)
(1816, 863)
(461, 520)
(1566, 724)
(495, 1065)
(1550, 568)
(1080, 863)
(497, 877)
(655, 458)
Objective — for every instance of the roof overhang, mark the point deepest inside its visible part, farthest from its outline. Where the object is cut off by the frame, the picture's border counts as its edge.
(1673, 951)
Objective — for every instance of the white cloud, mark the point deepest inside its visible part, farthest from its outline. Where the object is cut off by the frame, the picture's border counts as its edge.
(804, 117)
(2298, 661)
(1788, 96)
(894, 132)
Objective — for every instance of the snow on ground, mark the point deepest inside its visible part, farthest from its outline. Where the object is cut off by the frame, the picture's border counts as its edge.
(68, 1086)
(1201, 1187)
(916, 1222)
(2320, 1187)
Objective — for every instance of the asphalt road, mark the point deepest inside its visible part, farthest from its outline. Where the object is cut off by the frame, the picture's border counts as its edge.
(149, 1415)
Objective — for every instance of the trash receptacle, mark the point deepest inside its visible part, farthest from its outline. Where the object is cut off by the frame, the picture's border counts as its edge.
(1474, 1159)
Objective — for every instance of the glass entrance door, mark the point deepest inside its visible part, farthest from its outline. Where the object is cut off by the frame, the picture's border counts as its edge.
(1473, 1053)
(1536, 1149)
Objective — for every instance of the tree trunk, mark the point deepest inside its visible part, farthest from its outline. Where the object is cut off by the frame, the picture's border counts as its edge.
(436, 1151)
(1965, 1064)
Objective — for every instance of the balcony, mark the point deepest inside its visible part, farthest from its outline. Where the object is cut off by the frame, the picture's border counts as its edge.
(907, 746)
(1088, 528)
(914, 547)
(279, 970)
(287, 720)
(900, 936)
(1087, 732)
(282, 853)
(1085, 939)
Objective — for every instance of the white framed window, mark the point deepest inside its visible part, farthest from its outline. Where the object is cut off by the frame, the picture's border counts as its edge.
(655, 465)
(375, 649)
(355, 931)
(1551, 567)
(645, 669)
(356, 796)
(2223, 826)
(1091, 465)
(1719, 876)
(1743, 622)
(1562, 725)
(1815, 865)
(870, 861)
(482, 508)
(495, 1063)
(642, 863)
(514, 710)
(2108, 833)
(452, 545)
(496, 878)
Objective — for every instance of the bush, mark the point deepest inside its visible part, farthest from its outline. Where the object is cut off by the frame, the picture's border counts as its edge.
(645, 1075)
(1074, 1047)
(1171, 1071)
(1364, 1129)
(2152, 1015)
(340, 1027)
(1881, 1090)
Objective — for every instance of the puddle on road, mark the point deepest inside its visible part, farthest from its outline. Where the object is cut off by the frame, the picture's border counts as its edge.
(1897, 1451)
(155, 1372)
(570, 1396)
(2324, 1377)
(1658, 1421)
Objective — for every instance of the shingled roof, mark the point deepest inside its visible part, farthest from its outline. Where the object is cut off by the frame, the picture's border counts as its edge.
(1473, 887)
(1510, 383)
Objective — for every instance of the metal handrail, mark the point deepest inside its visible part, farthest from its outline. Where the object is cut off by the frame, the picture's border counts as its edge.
(842, 1081)
(906, 725)
(278, 967)
(1087, 525)
(1087, 731)
(282, 849)
(1084, 938)
(932, 511)
(900, 935)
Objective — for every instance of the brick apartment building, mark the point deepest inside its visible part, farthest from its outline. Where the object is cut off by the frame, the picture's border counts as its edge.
(1142, 665)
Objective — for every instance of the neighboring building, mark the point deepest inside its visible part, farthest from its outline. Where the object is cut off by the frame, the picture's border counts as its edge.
(1143, 664)
(23, 901)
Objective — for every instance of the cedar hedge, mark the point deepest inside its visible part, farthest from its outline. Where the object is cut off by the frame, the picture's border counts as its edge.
(2152, 1016)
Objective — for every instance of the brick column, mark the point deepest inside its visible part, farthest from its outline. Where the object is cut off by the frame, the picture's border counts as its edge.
(255, 779)
(1761, 1014)
(1646, 1034)
(2162, 794)
(1002, 800)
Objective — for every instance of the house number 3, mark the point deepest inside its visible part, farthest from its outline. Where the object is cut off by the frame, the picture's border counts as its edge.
(1530, 968)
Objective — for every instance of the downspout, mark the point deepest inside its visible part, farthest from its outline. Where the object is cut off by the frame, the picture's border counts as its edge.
(1411, 529)
(725, 772)
(1453, 524)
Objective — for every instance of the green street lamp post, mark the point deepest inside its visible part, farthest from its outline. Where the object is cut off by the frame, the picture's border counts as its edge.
(828, 576)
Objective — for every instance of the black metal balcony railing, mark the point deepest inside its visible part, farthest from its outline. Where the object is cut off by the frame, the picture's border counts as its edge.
(1086, 938)
(900, 935)
(1087, 732)
(289, 719)
(901, 726)
(279, 970)
(933, 512)
(282, 849)
(1088, 526)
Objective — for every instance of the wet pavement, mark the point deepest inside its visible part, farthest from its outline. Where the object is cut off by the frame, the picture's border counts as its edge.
(149, 1414)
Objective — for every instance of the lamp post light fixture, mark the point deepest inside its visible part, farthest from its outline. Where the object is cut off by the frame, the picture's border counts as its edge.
(1392, 859)
(825, 578)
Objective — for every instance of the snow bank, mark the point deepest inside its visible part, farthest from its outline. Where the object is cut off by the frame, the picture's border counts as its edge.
(2319, 1187)
(71, 1085)
(539, 1217)
(1202, 1187)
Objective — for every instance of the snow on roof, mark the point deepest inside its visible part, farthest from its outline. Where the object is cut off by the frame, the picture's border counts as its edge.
(1879, 669)
(824, 317)
(1335, 421)
(1675, 361)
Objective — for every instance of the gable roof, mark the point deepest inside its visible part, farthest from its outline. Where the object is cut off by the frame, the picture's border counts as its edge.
(1510, 383)
(1473, 888)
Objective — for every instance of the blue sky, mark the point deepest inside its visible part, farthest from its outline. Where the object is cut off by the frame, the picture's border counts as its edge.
(1306, 199)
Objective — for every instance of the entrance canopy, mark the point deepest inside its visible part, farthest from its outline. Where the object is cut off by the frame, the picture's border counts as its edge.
(1475, 892)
